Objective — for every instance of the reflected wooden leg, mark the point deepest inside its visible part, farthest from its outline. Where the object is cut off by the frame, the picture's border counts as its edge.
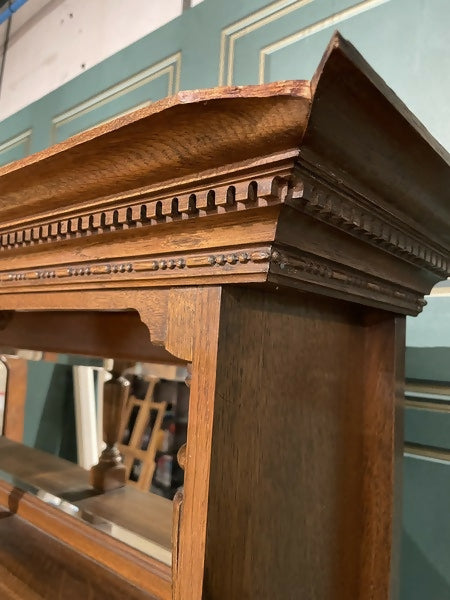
(110, 472)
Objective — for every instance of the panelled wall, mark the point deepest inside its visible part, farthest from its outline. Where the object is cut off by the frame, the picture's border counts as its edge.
(425, 570)
(235, 42)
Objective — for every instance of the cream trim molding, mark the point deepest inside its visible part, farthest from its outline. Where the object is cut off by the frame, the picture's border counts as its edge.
(170, 66)
(414, 389)
(247, 25)
(430, 406)
(443, 291)
(121, 114)
(18, 140)
(427, 453)
(334, 19)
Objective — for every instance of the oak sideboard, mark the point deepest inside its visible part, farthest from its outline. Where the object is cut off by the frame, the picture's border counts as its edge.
(273, 238)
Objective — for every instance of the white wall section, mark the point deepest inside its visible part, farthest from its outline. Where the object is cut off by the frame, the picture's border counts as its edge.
(53, 41)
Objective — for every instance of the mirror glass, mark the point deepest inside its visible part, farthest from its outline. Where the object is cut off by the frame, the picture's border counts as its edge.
(64, 410)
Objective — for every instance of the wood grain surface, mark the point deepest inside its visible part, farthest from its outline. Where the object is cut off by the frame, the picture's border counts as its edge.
(363, 133)
(181, 135)
(203, 344)
(301, 493)
(35, 566)
(90, 333)
(145, 514)
(143, 573)
(151, 307)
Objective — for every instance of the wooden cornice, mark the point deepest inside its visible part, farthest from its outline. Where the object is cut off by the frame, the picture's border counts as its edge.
(330, 186)
(362, 136)
(176, 138)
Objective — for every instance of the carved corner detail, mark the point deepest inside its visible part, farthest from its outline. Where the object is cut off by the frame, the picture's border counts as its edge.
(323, 273)
(353, 214)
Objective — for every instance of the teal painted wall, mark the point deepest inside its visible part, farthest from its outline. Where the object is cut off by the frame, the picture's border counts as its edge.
(425, 566)
(425, 573)
(50, 411)
(50, 415)
(432, 328)
(237, 42)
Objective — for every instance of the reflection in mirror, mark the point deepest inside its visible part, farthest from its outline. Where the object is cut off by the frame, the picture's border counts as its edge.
(65, 422)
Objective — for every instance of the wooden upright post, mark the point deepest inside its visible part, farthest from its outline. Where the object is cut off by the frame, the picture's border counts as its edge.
(301, 473)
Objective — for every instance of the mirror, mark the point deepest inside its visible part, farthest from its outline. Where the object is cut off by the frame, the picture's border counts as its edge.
(64, 418)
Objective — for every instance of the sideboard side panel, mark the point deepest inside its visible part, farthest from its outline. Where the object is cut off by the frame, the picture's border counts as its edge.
(301, 496)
